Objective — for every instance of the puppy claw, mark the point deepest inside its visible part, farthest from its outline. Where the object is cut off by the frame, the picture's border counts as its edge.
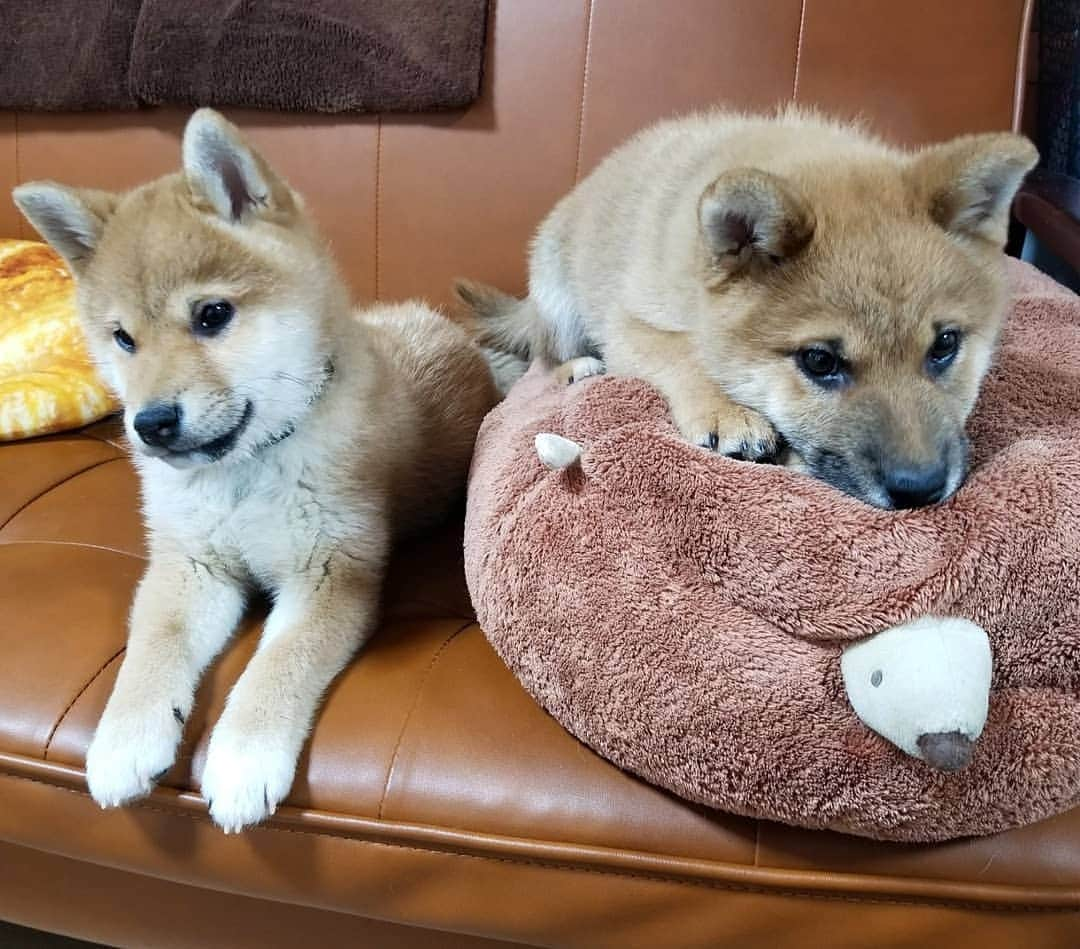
(762, 452)
(736, 433)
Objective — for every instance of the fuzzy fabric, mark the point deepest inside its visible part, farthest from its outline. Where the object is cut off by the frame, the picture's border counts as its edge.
(291, 55)
(310, 55)
(684, 614)
(66, 55)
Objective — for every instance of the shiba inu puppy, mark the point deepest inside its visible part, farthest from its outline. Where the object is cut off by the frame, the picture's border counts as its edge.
(790, 284)
(282, 440)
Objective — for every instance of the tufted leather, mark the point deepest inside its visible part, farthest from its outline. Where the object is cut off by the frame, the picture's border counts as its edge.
(435, 797)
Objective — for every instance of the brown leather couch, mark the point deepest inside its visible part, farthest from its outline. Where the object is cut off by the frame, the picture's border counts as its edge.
(437, 805)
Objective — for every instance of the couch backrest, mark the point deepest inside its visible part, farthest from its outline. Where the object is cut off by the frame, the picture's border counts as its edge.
(411, 201)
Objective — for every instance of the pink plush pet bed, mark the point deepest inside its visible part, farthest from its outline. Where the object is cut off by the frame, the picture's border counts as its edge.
(750, 639)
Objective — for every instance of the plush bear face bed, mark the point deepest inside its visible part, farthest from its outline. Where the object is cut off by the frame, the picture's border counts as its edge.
(685, 615)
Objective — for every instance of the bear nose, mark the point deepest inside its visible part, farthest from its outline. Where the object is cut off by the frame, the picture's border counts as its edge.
(158, 424)
(916, 486)
(946, 751)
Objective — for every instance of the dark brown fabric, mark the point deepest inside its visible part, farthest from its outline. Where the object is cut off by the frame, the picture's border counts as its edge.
(290, 55)
(310, 55)
(66, 55)
(684, 614)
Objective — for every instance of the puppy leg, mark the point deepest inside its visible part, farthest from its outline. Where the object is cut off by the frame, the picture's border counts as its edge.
(702, 411)
(318, 622)
(181, 617)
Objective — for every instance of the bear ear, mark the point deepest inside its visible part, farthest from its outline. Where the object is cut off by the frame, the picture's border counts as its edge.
(968, 184)
(747, 215)
(70, 219)
(556, 452)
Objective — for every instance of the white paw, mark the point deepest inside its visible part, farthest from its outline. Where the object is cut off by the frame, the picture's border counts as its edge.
(574, 370)
(131, 749)
(245, 778)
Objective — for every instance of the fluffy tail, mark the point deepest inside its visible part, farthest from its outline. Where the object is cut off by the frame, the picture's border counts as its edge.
(503, 323)
(503, 329)
(506, 368)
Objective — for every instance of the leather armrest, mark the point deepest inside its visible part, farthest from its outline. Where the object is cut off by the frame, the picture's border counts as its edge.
(1048, 205)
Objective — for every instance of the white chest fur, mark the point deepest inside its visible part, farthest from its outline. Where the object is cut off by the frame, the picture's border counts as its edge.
(258, 519)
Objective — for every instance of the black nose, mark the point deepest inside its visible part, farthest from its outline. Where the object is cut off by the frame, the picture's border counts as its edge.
(916, 486)
(158, 424)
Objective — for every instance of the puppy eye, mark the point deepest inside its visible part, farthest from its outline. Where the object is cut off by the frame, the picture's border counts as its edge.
(211, 318)
(943, 350)
(821, 365)
(124, 341)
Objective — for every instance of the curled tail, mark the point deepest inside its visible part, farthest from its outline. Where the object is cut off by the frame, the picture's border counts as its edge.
(503, 329)
(503, 323)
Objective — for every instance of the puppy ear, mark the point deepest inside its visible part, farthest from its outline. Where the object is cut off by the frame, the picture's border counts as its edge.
(968, 184)
(226, 173)
(750, 216)
(70, 219)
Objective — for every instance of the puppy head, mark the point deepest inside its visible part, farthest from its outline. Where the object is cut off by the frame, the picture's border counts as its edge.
(202, 296)
(858, 307)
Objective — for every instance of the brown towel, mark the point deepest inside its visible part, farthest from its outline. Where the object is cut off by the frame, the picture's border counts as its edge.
(310, 55)
(66, 54)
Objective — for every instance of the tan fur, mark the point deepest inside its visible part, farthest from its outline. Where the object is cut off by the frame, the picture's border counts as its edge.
(704, 253)
(361, 426)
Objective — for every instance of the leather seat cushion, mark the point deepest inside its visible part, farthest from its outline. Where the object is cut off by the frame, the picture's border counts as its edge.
(434, 792)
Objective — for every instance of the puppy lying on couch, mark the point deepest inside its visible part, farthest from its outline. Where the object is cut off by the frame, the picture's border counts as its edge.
(282, 440)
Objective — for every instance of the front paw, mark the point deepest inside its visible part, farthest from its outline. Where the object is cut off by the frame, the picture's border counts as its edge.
(574, 370)
(246, 776)
(733, 431)
(131, 750)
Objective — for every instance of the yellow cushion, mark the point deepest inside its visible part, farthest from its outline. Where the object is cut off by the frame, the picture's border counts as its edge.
(47, 381)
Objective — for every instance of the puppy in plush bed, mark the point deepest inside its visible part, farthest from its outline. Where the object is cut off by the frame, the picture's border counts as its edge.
(796, 289)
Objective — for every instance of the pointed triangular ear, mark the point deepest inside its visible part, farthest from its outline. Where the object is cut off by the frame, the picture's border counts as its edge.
(223, 170)
(70, 219)
(968, 184)
(747, 216)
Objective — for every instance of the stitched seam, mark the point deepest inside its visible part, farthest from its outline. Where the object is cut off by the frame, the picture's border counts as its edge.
(53, 487)
(408, 715)
(798, 51)
(70, 543)
(584, 89)
(943, 902)
(378, 197)
(115, 443)
(78, 695)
